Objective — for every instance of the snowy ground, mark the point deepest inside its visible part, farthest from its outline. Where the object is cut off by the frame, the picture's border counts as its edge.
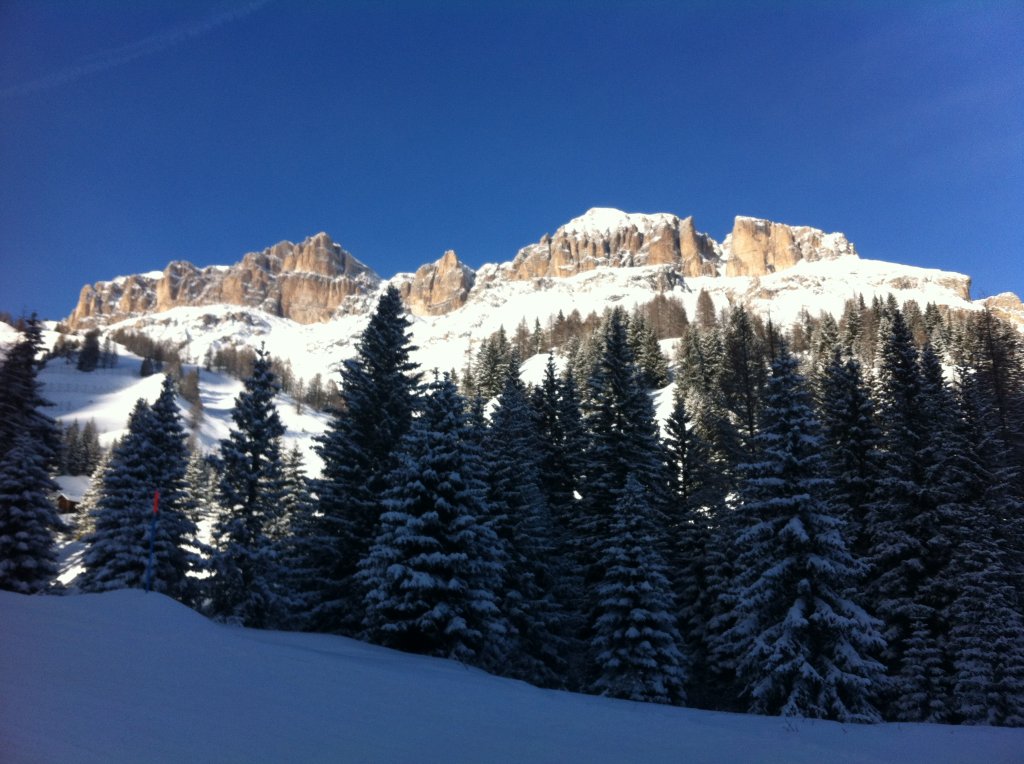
(130, 677)
(107, 396)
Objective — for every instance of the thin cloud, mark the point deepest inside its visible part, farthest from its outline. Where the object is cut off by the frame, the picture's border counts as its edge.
(114, 57)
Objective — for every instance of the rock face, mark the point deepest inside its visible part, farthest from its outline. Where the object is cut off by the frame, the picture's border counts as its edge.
(439, 287)
(1006, 306)
(606, 237)
(316, 279)
(305, 282)
(756, 247)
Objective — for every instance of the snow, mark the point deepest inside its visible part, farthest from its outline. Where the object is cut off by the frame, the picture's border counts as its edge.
(599, 221)
(127, 677)
(73, 487)
(107, 396)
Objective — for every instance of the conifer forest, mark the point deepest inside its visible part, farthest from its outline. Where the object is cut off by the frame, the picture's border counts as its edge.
(829, 524)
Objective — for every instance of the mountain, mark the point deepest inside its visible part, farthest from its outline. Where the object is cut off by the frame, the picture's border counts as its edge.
(310, 300)
(304, 282)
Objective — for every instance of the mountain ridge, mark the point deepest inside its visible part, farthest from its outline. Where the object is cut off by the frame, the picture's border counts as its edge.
(312, 281)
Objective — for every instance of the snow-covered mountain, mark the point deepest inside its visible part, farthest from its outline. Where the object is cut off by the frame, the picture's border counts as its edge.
(309, 301)
(147, 679)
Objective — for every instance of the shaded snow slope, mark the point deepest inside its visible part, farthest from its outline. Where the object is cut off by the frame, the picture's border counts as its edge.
(131, 677)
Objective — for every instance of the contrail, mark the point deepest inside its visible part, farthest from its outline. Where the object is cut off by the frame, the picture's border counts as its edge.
(114, 57)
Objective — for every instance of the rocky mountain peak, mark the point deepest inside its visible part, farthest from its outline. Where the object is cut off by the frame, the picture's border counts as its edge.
(306, 282)
(438, 287)
(610, 237)
(756, 246)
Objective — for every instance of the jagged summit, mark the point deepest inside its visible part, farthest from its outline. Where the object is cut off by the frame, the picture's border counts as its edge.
(598, 221)
(306, 282)
(317, 280)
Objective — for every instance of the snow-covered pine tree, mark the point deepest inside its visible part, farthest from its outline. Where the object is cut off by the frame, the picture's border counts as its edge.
(743, 377)
(652, 365)
(433, 573)
(635, 647)
(379, 395)
(802, 647)
(996, 350)
(852, 442)
(696, 501)
(622, 439)
(117, 550)
(533, 586)
(28, 520)
(71, 450)
(909, 543)
(560, 442)
(177, 513)
(245, 569)
(986, 623)
(21, 399)
(201, 483)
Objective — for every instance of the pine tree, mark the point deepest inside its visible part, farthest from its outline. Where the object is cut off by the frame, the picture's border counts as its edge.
(519, 514)
(986, 623)
(28, 520)
(432, 573)
(852, 441)
(21, 399)
(117, 551)
(697, 499)
(909, 542)
(743, 376)
(622, 435)
(802, 648)
(379, 395)
(71, 450)
(652, 365)
(635, 645)
(89, 355)
(242, 589)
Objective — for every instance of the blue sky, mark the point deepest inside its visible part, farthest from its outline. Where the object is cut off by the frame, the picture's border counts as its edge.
(132, 134)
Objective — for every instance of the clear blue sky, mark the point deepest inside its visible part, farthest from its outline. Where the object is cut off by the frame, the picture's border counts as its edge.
(132, 133)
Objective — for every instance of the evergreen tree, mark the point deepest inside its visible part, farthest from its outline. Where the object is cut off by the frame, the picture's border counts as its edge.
(92, 451)
(852, 441)
(71, 456)
(986, 624)
(696, 500)
(802, 648)
(559, 429)
(378, 399)
(117, 551)
(242, 589)
(432, 573)
(909, 543)
(28, 520)
(89, 355)
(21, 399)
(652, 365)
(519, 514)
(743, 376)
(201, 484)
(635, 645)
(622, 434)
(492, 362)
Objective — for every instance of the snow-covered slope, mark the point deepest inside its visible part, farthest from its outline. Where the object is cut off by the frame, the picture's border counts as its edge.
(131, 677)
(446, 341)
(107, 396)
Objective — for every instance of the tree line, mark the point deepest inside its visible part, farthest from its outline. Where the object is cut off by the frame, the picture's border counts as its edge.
(828, 525)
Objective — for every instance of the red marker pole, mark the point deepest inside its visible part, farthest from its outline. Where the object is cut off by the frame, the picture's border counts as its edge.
(152, 539)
